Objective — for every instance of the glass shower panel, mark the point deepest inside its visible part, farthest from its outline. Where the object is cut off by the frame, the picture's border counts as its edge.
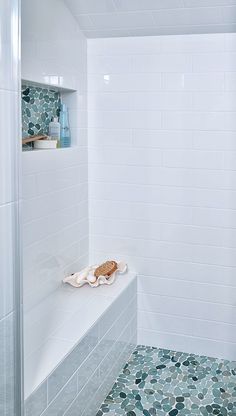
(10, 298)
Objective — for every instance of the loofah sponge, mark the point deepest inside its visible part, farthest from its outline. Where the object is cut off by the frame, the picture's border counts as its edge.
(106, 269)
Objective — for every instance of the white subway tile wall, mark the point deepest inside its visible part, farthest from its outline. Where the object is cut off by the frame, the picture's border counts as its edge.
(162, 189)
(55, 182)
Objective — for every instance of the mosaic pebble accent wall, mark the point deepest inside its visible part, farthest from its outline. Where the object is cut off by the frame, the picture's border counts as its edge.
(39, 105)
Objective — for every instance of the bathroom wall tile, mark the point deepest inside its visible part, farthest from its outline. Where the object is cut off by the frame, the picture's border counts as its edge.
(193, 81)
(193, 308)
(220, 331)
(168, 202)
(71, 363)
(37, 402)
(214, 62)
(8, 165)
(186, 290)
(54, 190)
(89, 359)
(7, 225)
(40, 363)
(9, 46)
(81, 400)
(63, 399)
(7, 370)
(87, 369)
(193, 344)
(162, 63)
(71, 331)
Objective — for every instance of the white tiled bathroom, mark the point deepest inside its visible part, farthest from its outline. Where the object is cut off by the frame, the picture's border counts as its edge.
(147, 179)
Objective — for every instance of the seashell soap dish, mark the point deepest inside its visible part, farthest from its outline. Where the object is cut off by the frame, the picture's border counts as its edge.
(96, 275)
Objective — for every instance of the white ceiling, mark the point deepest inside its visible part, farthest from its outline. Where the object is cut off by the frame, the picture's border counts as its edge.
(109, 18)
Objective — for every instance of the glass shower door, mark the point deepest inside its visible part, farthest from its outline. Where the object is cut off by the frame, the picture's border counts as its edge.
(10, 276)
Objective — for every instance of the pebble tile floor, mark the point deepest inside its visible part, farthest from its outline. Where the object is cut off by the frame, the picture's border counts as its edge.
(163, 382)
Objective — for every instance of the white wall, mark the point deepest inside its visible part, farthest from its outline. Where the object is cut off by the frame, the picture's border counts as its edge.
(162, 151)
(55, 208)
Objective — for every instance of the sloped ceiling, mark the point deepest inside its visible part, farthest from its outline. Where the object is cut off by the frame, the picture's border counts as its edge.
(109, 18)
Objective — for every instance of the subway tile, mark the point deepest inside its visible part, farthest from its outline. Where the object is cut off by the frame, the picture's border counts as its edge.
(191, 308)
(43, 361)
(71, 363)
(128, 120)
(7, 224)
(106, 101)
(194, 81)
(162, 63)
(169, 101)
(120, 83)
(191, 44)
(182, 342)
(132, 156)
(9, 48)
(193, 159)
(106, 65)
(192, 120)
(214, 62)
(47, 204)
(71, 331)
(214, 140)
(111, 137)
(62, 401)
(214, 101)
(187, 290)
(37, 402)
(128, 210)
(7, 366)
(219, 331)
(82, 398)
(41, 228)
(86, 370)
(162, 139)
(8, 149)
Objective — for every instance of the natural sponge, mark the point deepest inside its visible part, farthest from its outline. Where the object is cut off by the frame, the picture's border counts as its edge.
(106, 269)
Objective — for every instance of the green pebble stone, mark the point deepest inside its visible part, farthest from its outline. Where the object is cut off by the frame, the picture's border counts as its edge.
(157, 405)
(216, 393)
(179, 406)
(153, 381)
(167, 407)
(180, 399)
(139, 405)
(173, 412)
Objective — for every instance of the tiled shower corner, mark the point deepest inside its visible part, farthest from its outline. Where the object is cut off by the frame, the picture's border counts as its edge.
(159, 382)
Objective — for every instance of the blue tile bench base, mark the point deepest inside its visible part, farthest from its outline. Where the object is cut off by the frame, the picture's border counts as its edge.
(80, 383)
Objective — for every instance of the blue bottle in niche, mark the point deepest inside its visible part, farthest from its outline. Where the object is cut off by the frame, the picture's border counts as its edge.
(65, 137)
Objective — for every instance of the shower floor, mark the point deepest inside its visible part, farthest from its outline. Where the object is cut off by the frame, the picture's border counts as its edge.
(163, 382)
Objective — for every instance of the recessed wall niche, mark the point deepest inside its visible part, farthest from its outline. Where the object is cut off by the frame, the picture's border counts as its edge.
(39, 105)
